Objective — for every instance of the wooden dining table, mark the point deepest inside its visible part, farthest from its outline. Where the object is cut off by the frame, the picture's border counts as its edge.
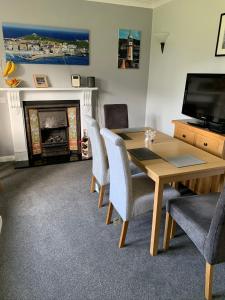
(162, 172)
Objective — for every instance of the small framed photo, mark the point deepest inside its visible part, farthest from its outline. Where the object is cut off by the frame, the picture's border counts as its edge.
(40, 81)
(220, 46)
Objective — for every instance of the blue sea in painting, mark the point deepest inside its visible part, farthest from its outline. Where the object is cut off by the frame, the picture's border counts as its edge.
(66, 60)
(45, 45)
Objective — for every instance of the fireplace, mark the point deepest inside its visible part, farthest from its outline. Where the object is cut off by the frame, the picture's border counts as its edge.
(53, 131)
(15, 97)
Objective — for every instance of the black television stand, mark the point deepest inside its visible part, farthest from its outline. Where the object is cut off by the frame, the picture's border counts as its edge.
(204, 124)
(211, 127)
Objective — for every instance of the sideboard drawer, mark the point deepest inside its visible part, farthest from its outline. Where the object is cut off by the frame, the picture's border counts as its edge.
(184, 135)
(208, 144)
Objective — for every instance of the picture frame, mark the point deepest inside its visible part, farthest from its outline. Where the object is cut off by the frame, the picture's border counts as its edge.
(220, 45)
(36, 44)
(129, 47)
(40, 81)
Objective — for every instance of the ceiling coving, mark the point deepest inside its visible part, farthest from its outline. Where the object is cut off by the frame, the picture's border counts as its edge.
(136, 3)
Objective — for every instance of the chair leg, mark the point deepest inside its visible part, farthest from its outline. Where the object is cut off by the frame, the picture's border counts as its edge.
(173, 229)
(208, 281)
(123, 234)
(109, 213)
(101, 196)
(93, 181)
(168, 226)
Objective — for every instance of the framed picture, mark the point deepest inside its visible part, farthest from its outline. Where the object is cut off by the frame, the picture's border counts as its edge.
(129, 49)
(40, 81)
(220, 46)
(32, 44)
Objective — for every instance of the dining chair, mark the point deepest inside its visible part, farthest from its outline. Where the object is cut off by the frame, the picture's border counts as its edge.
(130, 195)
(100, 167)
(202, 218)
(116, 116)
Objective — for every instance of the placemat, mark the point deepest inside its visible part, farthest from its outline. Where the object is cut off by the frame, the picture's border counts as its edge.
(143, 154)
(133, 130)
(124, 136)
(184, 161)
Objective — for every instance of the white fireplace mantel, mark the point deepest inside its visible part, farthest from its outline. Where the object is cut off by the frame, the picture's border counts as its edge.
(16, 96)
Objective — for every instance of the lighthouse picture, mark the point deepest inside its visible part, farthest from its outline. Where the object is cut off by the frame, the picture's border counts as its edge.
(129, 49)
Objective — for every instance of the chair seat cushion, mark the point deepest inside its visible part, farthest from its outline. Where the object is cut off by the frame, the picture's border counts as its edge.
(143, 193)
(194, 215)
(134, 169)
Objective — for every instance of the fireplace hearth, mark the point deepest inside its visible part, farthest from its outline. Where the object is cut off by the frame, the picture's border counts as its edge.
(53, 131)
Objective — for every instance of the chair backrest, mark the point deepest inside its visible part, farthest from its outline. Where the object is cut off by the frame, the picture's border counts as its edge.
(120, 175)
(100, 162)
(214, 250)
(116, 116)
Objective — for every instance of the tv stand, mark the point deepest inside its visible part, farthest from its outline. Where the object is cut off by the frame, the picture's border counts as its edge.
(205, 139)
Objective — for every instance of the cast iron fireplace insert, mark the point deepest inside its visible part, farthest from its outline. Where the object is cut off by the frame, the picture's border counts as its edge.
(53, 131)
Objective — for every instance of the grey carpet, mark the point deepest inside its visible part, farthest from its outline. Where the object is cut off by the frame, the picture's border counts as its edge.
(55, 245)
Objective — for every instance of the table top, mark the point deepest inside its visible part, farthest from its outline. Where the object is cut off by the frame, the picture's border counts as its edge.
(167, 146)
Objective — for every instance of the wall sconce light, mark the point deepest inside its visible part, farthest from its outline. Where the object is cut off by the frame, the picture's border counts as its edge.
(162, 37)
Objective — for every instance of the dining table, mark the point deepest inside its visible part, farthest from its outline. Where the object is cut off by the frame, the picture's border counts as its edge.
(162, 172)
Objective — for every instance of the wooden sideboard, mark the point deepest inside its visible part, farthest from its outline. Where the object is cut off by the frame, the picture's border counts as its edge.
(204, 139)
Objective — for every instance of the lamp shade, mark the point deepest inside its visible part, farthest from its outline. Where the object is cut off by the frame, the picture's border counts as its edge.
(162, 36)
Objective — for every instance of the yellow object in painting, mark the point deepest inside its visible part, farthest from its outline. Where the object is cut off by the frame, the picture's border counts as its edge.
(9, 68)
(13, 82)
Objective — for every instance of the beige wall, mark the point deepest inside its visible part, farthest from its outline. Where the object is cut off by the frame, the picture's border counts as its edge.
(193, 27)
(103, 21)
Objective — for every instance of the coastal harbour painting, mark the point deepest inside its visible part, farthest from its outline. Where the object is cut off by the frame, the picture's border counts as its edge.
(28, 44)
(129, 49)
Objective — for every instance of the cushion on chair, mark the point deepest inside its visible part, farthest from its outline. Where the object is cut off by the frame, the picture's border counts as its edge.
(143, 193)
(134, 169)
(194, 215)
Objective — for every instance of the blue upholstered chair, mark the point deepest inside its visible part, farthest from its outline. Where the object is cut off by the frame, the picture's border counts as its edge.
(129, 195)
(100, 167)
(203, 219)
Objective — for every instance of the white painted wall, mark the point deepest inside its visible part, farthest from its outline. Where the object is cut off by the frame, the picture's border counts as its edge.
(103, 21)
(193, 27)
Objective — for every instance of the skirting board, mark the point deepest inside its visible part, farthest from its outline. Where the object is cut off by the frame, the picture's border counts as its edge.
(7, 158)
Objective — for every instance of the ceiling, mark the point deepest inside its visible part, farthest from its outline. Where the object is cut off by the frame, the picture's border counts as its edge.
(136, 3)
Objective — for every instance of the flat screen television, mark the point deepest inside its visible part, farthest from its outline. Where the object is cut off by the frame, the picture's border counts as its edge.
(204, 98)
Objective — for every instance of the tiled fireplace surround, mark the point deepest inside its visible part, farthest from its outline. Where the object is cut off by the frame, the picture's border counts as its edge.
(15, 98)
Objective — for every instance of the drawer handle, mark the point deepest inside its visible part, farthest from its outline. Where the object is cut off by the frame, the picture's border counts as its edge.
(205, 144)
(184, 136)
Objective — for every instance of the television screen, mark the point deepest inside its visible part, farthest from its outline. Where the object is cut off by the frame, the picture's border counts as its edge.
(204, 97)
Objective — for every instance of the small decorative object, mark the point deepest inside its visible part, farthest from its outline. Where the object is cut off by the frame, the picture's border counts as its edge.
(10, 68)
(85, 146)
(75, 81)
(129, 49)
(91, 82)
(40, 81)
(149, 137)
(220, 46)
(28, 44)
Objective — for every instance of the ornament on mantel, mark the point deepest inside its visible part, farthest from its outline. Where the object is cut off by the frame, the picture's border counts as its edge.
(7, 71)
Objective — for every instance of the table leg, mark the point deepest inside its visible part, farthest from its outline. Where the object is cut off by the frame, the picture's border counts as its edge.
(156, 218)
(221, 182)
